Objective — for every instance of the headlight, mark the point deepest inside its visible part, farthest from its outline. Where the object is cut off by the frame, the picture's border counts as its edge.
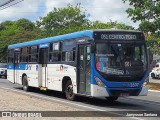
(99, 82)
(146, 81)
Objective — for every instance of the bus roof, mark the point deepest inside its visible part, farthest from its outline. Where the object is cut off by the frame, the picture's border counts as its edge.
(86, 33)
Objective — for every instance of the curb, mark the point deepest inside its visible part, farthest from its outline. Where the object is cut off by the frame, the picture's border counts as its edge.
(154, 91)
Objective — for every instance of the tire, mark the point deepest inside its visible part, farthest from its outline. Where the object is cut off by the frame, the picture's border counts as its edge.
(25, 84)
(112, 99)
(153, 76)
(69, 91)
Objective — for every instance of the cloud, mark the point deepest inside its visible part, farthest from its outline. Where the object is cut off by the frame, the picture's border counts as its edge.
(25, 9)
(102, 10)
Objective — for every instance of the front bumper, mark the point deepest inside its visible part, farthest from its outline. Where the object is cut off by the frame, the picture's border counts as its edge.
(101, 92)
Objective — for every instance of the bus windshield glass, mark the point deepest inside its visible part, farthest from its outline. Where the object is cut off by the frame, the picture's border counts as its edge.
(121, 59)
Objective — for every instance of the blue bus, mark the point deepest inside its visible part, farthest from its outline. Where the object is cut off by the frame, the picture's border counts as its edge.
(97, 63)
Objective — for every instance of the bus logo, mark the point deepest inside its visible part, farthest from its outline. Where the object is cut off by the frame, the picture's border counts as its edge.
(61, 67)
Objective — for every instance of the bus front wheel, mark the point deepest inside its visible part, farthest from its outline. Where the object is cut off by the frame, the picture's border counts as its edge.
(69, 91)
(111, 99)
(25, 84)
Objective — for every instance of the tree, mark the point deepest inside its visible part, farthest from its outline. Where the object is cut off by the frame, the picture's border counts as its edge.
(12, 32)
(148, 13)
(63, 20)
(25, 24)
(145, 11)
(109, 25)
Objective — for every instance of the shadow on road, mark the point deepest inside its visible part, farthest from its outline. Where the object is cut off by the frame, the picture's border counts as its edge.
(121, 103)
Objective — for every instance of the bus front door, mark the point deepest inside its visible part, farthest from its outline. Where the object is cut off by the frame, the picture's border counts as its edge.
(84, 69)
(42, 68)
(16, 66)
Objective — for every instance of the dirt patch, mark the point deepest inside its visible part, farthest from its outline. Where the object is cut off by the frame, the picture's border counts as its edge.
(154, 86)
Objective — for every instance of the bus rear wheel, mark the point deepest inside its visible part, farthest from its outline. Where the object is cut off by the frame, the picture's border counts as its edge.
(111, 99)
(25, 84)
(69, 91)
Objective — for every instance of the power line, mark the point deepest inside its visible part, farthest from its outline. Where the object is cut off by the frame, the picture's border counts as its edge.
(8, 2)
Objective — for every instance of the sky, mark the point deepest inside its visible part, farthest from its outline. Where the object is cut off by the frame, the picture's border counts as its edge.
(102, 10)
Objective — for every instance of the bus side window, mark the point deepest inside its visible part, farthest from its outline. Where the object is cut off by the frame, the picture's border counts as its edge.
(10, 56)
(68, 51)
(33, 54)
(24, 54)
(54, 52)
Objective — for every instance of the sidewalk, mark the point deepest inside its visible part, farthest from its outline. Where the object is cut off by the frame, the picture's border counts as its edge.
(13, 101)
(154, 80)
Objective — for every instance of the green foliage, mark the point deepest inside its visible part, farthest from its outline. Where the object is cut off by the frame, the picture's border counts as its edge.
(25, 24)
(12, 32)
(146, 11)
(153, 42)
(109, 25)
(71, 19)
(63, 20)
(57, 22)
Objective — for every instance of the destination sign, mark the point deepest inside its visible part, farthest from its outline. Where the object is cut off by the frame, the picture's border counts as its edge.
(114, 35)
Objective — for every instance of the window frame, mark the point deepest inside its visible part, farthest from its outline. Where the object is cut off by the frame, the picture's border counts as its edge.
(33, 54)
(10, 56)
(52, 52)
(22, 55)
(72, 52)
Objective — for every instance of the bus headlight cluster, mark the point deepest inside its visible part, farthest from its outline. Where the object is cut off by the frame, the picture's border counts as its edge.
(99, 82)
(146, 81)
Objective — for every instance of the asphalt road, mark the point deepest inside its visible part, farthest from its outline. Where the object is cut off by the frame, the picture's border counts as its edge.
(141, 103)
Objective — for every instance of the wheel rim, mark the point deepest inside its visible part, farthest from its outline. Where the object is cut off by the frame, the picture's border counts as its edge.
(69, 91)
(25, 84)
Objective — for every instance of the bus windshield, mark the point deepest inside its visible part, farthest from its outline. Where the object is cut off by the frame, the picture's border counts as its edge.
(121, 59)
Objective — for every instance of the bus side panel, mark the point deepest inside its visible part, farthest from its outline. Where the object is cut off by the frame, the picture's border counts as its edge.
(56, 72)
(32, 74)
(31, 70)
(10, 72)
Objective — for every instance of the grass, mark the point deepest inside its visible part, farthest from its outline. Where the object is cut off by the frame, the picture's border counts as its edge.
(154, 86)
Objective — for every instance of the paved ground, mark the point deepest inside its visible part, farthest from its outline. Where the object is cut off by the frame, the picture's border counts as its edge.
(143, 103)
(12, 101)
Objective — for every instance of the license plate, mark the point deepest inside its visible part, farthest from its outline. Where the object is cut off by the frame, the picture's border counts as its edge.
(124, 94)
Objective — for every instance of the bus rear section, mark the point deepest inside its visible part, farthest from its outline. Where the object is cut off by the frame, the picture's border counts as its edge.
(119, 65)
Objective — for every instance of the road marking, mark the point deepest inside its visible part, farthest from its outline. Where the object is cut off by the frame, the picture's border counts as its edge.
(153, 90)
(138, 118)
(62, 101)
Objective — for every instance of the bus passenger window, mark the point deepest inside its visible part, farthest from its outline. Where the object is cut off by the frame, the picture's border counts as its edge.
(10, 56)
(24, 54)
(33, 54)
(68, 51)
(54, 53)
(54, 57)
